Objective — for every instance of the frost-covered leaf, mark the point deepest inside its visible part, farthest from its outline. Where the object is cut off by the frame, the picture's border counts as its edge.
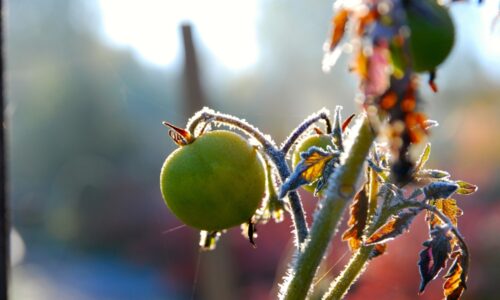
(337, 129)
(433, 257)
(357, 220)
(431, 174)
(440, 189)
(456, 278)
(424, 157)
(395, 226)
(465, 188)
(312, 167)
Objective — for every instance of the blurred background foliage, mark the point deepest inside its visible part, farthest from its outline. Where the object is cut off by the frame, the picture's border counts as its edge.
(86, 145)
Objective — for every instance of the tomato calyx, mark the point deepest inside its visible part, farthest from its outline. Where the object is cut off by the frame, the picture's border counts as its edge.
(180, 136)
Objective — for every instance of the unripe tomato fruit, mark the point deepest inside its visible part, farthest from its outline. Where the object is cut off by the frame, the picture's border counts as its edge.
(215, 182)
(432, 36)
(318, 140)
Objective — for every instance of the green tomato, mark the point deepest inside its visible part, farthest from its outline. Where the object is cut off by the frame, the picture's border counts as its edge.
(215, 182)
(432, 35)
(318, 140)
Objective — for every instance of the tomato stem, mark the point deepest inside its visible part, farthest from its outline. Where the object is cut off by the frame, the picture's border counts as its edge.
(340, 189)
(323, 115)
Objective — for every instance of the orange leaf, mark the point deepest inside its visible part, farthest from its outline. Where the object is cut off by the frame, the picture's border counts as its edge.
(339, 22)
(394, 227)
(455, 285)
(449, 208)
(357, 220)
(315, 164)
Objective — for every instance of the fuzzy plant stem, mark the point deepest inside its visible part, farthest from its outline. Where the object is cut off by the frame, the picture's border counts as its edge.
(292, 138)
(354, 268)
(277, 156)
(340, 189)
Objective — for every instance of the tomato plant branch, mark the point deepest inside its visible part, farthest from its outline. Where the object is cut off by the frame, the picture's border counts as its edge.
(358, 261)
(446, 220)
(302, 128)
(357, 264)
(340, 189)
(269, 147)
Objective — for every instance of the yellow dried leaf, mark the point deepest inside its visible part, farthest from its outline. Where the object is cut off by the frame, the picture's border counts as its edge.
(449, 208)
(315, 164)
(455, 285)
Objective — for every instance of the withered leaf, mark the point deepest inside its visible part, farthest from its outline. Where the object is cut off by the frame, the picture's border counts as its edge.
(456, 278)
(395, 226)
(339, 22)
(433, 257)
(312, 167)
(378, 250)
(357, 220)
(465, 188)
(448, 207)
(440, 189)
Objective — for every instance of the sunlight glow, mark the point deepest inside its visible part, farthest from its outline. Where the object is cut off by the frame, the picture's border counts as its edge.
(227, 28)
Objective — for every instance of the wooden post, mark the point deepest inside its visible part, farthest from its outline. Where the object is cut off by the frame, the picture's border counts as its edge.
(193, 90)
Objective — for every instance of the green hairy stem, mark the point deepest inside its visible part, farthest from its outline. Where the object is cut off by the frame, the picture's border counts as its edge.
(341, 189)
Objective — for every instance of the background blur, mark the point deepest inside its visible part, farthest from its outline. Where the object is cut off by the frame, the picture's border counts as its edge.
(88, 84)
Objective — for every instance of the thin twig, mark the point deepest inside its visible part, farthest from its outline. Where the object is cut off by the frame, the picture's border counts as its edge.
(297, 132)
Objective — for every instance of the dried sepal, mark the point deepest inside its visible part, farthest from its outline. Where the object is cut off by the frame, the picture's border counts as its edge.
(433, 257)
(395, 226)
(339, 22)
(465, 188)
(378, 249)
(180, 136)
(337, 130)
(316, 163)
(249, 230)
(456, 277)
(208, 240)
(347, 121)
(432, 81)
(357, 221)
(273, 207)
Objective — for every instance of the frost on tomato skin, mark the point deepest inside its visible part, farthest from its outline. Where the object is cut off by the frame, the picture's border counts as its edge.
(214, 183)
